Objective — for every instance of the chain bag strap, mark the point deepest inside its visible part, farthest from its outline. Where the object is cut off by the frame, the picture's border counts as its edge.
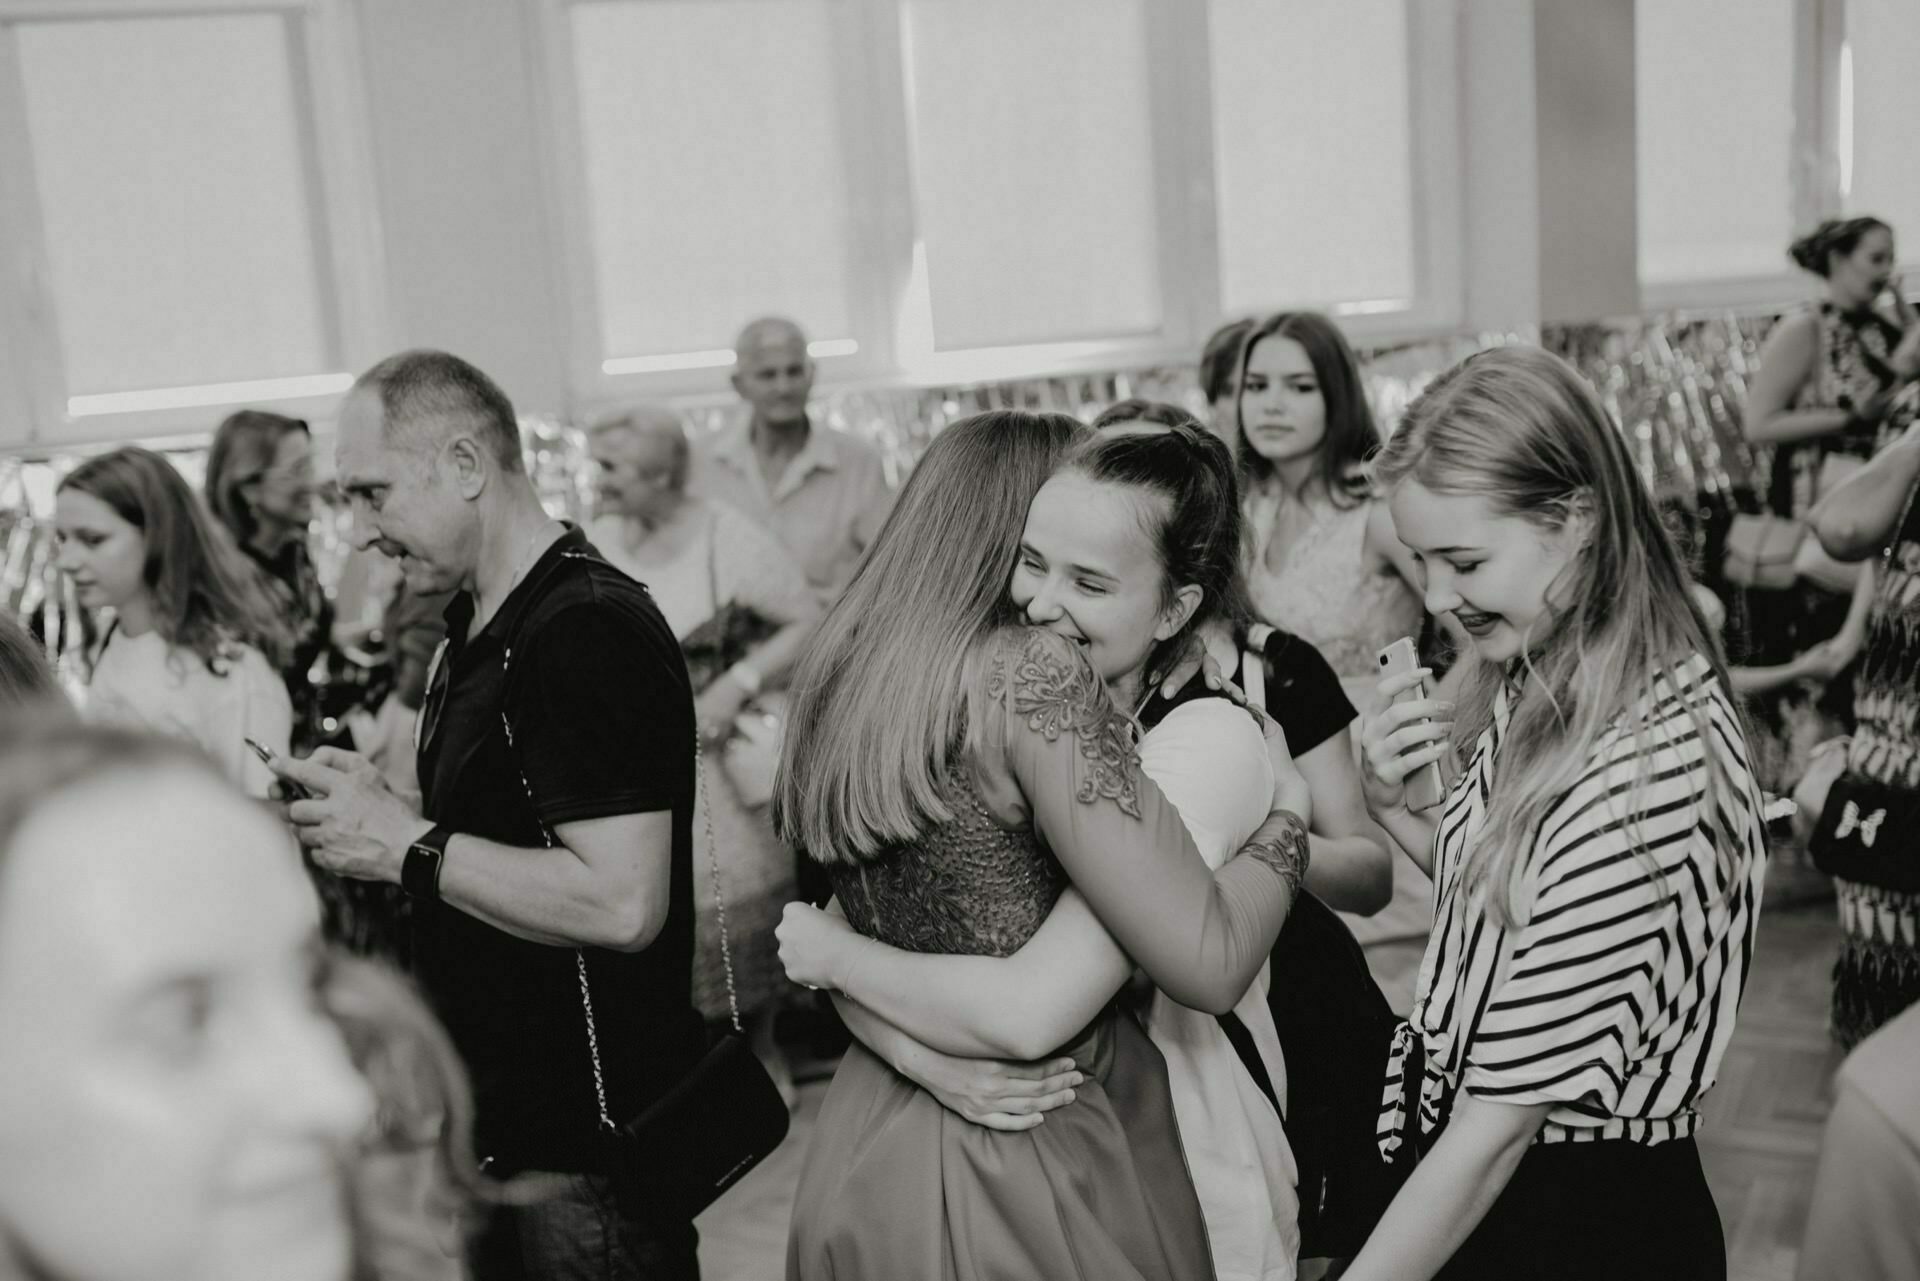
(725, 1114)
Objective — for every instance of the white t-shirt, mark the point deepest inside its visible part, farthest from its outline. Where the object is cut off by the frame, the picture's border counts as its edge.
(145, 683)
(1210, 759)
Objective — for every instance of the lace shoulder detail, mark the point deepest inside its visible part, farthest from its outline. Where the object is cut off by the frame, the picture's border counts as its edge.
(1047, 685)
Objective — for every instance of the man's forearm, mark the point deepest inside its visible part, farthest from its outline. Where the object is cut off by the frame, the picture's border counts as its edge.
(545, 895)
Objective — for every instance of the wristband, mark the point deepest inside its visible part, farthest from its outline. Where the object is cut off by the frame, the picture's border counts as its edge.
(746, 678)
(420, 871)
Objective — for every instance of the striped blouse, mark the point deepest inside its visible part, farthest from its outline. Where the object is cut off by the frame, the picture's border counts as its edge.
(1615, 1000)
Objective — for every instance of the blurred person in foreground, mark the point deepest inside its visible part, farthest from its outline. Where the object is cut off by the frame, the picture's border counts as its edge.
(177, 1106)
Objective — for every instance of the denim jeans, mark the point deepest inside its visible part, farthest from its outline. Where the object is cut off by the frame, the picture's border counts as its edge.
(592, 1228)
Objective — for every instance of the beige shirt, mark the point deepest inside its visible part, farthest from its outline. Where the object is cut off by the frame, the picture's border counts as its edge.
(826, 509)
(1862, 1224)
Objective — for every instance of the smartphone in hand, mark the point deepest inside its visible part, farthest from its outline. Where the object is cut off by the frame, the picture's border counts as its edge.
(1425, 788)
(288, 788)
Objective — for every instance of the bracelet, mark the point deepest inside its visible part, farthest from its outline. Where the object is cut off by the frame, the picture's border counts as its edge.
(746, 678)
(1289, 853)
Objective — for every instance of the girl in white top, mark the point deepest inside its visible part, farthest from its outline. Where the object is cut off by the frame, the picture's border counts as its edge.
(1132, 543)
(1597, 866)
(185, 650)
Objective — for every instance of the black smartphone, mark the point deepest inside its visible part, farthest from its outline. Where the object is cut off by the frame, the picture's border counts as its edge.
(288, 788)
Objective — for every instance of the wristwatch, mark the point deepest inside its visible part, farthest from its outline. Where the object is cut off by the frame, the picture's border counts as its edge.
(420, 872)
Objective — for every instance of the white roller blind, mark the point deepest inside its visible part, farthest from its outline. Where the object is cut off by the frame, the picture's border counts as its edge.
(1714, 86)
(717, 189)
(170, 167)
(1033, 168)
(1884, 38)
(1311, 156)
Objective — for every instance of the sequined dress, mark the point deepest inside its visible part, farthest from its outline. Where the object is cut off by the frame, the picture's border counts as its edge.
(896, 1186)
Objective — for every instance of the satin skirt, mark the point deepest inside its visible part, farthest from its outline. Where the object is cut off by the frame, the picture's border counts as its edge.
(895, 1186)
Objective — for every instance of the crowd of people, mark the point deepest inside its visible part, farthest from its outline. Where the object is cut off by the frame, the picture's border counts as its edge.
(391, 951)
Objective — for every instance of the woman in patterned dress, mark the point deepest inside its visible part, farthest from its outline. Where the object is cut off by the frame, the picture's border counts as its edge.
(1597, 865)
(1878, 973)
(1830, 391)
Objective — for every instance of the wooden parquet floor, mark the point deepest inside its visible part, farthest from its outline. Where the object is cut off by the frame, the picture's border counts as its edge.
(1759, 1143)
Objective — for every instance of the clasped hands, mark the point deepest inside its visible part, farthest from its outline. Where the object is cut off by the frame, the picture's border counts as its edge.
(351, 822)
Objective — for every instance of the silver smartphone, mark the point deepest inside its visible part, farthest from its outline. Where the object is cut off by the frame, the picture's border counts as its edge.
(1425, 788)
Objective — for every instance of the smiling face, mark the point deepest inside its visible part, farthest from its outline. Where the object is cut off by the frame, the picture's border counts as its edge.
(1493, 573)
(1856, 279)
(1282, 410)
(1088, 571)
(100, 550)
(636, 473)
(177, 1107)
(406, 501)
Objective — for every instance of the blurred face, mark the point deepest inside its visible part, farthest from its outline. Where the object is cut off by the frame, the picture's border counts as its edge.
(775, 376)
(1087, 570)
(1856, 279)
(176, 1105)
(1281, 408)
(283, 494)
(633, 472)
(1493, 573)
(414, 508)
(103, 553)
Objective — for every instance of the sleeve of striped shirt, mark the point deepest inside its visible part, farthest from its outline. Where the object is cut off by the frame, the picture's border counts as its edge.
(1592, 972)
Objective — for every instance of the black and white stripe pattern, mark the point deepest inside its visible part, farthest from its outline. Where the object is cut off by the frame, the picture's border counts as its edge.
(1616, 1000)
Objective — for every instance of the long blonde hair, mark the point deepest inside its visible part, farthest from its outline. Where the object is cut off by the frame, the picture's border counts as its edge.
(1519, 428)
(879, 706)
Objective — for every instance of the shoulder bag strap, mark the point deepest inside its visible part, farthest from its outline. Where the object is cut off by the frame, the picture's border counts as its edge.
(579, 956)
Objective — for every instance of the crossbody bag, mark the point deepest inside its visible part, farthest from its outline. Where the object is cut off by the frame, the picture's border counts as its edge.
(722, 1118)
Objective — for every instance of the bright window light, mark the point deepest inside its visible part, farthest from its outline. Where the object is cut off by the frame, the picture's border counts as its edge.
(133, 402)
(1846, 120)
(714, 358)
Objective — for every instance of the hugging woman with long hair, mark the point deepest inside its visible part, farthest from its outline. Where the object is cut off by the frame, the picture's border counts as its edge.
(955, 770)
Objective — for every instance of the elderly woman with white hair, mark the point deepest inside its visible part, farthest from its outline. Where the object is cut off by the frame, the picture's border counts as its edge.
(743, 610)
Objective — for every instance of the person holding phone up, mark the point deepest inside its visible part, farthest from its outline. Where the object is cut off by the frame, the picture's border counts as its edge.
(1597, 863)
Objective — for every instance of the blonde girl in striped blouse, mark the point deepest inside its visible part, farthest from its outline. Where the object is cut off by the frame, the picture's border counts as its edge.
(1597, 864)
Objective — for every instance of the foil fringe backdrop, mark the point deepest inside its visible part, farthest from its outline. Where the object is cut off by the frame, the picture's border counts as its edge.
(1676, 385)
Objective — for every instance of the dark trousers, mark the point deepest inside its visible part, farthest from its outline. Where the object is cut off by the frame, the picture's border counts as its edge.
(1607, 1211)
(590, 1228)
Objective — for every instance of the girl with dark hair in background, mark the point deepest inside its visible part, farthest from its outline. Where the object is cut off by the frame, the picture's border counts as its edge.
(1220, 378)
(954, 769)
(260, 485)
(194, 646)
(1598, 863)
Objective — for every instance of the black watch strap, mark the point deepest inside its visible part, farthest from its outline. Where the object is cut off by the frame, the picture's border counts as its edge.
(420, 872)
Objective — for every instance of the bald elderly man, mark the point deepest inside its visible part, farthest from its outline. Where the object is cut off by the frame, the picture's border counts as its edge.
(823, 493)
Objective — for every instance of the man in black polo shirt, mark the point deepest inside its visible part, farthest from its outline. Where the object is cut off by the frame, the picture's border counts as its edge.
(557, 773)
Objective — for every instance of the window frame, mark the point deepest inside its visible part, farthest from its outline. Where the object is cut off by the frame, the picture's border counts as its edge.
(878, 144)
(350, 269)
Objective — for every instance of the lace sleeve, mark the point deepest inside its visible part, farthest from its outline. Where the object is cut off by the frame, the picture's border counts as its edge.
(1201, 935)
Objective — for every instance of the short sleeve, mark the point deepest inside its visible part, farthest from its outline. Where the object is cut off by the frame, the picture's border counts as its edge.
(1576, 1007)
(1210, 759)
(756, 571)
(1202, 936)
(875, 500)
(602, 716)
(1303, 693)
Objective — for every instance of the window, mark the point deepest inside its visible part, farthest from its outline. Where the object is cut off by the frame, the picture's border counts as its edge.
(179, 202)
(957, 190)
(1715, 89)
(1877, 118)
(1034, 184)
(1312, 161)
(716, 183)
